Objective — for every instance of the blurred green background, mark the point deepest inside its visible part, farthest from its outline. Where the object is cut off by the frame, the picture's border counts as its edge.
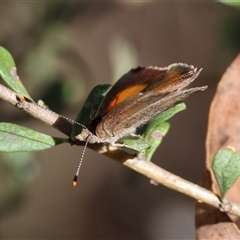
(63, 49)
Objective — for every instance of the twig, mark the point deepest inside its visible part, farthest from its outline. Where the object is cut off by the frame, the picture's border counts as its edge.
(146, 168)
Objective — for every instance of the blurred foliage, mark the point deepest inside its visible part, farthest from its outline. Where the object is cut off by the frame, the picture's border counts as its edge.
(56, 94)
(230, 28)
(16, 171)
(22, 165)
(122, 53)
(235, 3)
(50, 66)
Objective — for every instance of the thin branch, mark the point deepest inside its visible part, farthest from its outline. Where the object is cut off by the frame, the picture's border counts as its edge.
(146, 168)
(44, 114)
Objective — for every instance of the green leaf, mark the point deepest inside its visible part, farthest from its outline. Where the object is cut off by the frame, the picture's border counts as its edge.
(134, 142)
(226, 168)
(15, 138)
(155, 136)
(169, 113)
(158, 128)
(8, 72)
(89, 108)
(153, 132)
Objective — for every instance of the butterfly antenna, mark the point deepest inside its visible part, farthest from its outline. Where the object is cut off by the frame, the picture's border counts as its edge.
(84, 148)
(74, 122)
(79, 165)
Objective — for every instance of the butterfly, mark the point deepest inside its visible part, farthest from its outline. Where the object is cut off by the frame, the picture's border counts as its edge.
(137, 98)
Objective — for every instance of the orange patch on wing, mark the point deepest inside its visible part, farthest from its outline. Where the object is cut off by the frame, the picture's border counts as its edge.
(124, 94)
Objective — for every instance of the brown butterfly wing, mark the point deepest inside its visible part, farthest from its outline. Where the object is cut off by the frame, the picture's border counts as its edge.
(138, 109)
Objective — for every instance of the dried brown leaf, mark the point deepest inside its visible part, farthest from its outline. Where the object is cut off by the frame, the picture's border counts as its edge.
(219, 231)
(223, 130)
(224, 122)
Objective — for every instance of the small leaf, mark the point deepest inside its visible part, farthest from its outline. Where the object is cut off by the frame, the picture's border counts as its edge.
(89, 108)
(226, 168)
(154, 137)
(158, 128)
(134, 142)
(8, 72)
(15, 138)
(169, 113)
(152, 133)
